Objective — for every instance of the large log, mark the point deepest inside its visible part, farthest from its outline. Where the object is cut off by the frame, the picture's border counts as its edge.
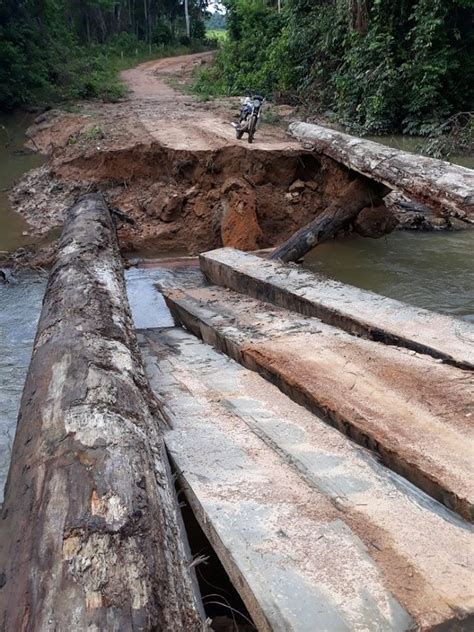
(358, 195)
(436, 183)
(90, 536)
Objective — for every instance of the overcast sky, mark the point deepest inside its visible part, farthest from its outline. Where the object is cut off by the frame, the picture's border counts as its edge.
(216, 6)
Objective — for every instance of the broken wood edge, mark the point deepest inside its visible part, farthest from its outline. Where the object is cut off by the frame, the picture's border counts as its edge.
(90, 528)
(270, 293)
(399, 170)
(228, 562)
(249, 358)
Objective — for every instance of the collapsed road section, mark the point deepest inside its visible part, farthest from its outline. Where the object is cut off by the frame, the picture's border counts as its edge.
(261, 419)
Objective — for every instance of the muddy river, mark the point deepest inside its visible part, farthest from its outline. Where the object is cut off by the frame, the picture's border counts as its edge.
(430, 270)
(14, 162)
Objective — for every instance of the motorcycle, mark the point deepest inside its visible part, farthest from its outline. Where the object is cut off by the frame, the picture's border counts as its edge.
(249, 117)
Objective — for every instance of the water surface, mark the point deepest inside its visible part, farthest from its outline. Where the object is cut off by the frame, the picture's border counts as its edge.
(20, 307)
(414, 144)
(14, 162)
(431, 270)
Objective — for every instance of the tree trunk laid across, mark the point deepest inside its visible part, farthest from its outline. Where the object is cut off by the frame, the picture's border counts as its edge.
(358, 195)
(89, 533)
(186, 16)
(435, 183)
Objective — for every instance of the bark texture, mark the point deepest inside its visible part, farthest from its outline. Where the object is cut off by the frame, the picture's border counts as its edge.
(90, 537)
(436, 183)
(358, 195)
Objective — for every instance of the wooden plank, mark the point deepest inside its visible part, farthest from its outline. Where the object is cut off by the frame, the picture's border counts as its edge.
(357, 311)
(410, 409)
(433, 182)
(90, 536)
(315, 533)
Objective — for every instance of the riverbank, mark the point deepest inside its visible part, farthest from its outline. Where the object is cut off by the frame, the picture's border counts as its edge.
(171, 166)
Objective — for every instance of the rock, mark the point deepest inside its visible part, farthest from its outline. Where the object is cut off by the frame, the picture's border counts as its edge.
(172, 207)
(239, 225)
(288, 196)
(412, 221)
(375, 221)
(201, 207)
(213, 195)
(438, 223)
(298, 185)
(457, 224)
(192, 192)
(311, 184)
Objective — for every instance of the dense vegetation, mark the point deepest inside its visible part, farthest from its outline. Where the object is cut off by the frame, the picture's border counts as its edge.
(216, 21)
(60, 49)
(379, 65)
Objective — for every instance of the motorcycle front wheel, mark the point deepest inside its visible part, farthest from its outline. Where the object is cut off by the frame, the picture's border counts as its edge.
(252, 128)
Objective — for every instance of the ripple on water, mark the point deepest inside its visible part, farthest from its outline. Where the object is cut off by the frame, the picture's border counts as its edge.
(430, 270)
(20, 307)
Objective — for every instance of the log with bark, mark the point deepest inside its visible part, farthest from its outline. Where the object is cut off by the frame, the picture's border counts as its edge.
(359, 197)
(90, 536)
(438, 184)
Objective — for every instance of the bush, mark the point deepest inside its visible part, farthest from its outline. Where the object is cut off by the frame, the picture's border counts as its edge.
(381, 65)
(162, 34)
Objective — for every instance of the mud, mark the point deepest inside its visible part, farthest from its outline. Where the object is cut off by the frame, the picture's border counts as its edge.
(168, 162)
(178, 198)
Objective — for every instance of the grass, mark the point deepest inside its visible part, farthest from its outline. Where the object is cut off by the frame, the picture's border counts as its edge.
(219, 35)
(93, 72)
(105, 82)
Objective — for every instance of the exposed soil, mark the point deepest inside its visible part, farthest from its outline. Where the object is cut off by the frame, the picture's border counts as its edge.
(170, 163)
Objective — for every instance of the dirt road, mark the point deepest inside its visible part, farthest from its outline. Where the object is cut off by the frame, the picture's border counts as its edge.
(173, 164)
(179, 120)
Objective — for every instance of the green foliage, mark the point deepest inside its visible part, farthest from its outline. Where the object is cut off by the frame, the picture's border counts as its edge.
(455, 137)
(381, 65)
(54, 50)
(216, 22)
(216, 35)
(248, 57)
(162, 34)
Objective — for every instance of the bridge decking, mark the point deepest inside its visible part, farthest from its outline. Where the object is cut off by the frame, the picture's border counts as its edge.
(357, 311)
(314, 530)
(413, 411)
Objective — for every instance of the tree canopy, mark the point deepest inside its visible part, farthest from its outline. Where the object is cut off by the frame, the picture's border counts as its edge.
(43, 43)
(380, 65)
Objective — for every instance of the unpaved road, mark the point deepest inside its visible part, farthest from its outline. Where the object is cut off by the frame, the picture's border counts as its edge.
(179, 120)
(169, 160)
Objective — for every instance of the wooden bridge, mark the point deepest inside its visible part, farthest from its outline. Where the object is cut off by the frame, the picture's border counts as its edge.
(322, 435)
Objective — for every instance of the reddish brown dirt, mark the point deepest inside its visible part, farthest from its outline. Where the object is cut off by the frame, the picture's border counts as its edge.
(163, 158)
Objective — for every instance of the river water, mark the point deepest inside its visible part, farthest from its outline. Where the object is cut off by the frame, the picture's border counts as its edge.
(14, 162)
(430, 270)
(20, 307)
